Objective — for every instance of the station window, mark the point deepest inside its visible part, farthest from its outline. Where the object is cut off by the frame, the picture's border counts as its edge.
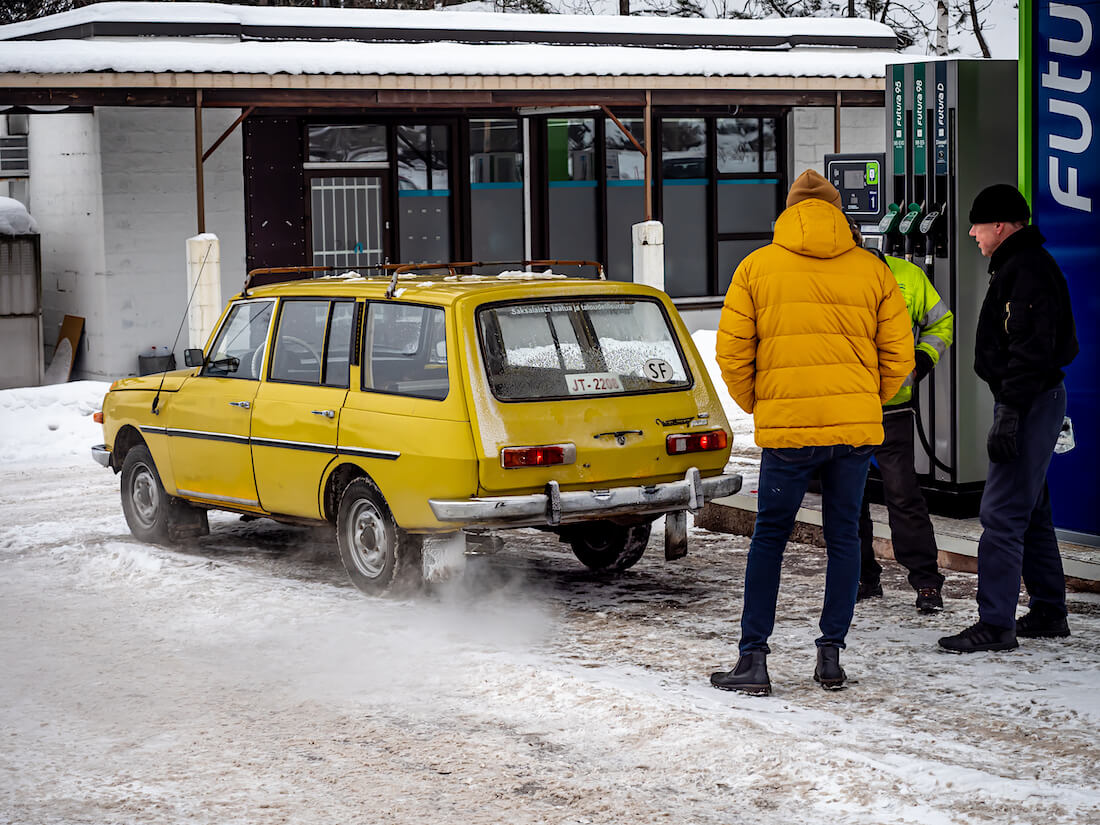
(496, 189)
(346, 143)
(625, 169)
(572, 196)
(423, 192)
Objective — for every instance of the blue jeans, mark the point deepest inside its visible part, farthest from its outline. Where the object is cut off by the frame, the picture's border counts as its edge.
(784, 476)
(1018, 534)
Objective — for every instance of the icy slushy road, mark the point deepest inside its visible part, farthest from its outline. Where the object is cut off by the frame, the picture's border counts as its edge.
(242, 679)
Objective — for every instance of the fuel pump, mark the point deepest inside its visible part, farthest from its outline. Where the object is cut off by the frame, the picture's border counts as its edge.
(950, 132)
(858, 179)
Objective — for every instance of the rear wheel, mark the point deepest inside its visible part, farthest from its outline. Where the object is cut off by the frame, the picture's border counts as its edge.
(144, 502)
(378, 556)
(604, 545)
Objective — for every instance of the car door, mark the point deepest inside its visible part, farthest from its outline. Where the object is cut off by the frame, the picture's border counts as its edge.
(296, 416)
(208, 421)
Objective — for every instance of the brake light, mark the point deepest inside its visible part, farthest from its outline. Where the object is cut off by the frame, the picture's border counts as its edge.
(696, 442)
(542, 456)
(97, 416)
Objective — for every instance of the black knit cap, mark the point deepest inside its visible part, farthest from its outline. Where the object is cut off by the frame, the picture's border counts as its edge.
(999, 203)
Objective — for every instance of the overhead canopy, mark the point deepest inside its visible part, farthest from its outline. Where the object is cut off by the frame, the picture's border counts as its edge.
(295, 57)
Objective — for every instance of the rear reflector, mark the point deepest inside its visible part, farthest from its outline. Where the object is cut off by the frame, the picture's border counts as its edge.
(696, 442)
(543, 456)
(97, 417)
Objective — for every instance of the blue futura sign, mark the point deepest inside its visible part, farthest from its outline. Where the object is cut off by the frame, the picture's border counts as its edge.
(1065, 191)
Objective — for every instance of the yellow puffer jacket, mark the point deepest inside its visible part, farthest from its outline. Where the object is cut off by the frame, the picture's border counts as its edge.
(814, 336)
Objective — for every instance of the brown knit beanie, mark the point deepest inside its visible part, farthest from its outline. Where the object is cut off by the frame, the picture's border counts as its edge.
(810, 184)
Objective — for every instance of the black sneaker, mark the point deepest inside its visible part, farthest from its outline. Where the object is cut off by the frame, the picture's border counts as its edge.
(828, 673)
(929, 600)
(980, 636)
(1042, 624)
(750, 676)
(869, 590)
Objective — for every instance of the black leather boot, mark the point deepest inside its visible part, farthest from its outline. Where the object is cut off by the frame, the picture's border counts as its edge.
(828, 673)
(750, 676)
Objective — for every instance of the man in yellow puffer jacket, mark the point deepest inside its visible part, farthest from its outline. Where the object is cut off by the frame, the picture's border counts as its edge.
(813, 339)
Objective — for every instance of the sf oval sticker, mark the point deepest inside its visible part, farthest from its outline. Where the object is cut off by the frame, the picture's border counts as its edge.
(658, 369)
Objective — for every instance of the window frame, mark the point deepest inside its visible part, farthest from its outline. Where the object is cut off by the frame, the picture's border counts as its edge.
(590, 334)
(273, 334)
(366, 350)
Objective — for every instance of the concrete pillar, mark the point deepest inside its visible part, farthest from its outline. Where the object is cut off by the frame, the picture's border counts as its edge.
(204, 269)
(648, 242)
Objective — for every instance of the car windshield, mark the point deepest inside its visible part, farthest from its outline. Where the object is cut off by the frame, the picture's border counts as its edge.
(562, 349)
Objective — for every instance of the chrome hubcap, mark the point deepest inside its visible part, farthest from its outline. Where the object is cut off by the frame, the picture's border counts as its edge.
(367, 539)
(144, 496)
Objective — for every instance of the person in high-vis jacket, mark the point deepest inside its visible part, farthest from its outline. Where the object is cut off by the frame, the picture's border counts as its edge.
(910, 527)
(813, 339)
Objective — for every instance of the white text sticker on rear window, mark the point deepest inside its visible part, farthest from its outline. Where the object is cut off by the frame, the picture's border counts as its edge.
(592, 383)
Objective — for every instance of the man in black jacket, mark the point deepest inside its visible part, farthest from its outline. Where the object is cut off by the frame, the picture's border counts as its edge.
(1025, 336)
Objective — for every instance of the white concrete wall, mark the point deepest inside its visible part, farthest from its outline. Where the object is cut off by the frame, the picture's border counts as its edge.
(811, 135)
(66, 193)
(117, 194)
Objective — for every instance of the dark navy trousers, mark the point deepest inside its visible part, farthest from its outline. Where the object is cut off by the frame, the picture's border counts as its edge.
(1018, 538)
(785, 474)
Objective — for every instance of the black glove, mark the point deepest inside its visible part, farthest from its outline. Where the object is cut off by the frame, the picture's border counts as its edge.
(1001, 443)
(924, 365)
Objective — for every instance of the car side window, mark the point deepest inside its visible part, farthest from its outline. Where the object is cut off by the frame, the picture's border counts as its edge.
(239, 345)
(405, 350)
(313, 342)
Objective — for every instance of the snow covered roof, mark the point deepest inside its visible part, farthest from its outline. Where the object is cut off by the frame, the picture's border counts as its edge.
(344, 58)
(138, 19)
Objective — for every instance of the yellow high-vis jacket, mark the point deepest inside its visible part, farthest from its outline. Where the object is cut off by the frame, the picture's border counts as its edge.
(814, 335)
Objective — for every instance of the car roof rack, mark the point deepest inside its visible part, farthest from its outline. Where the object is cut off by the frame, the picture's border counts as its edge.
(281, 274)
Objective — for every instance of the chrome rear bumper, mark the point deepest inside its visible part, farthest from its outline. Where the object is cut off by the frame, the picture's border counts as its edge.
(554, 507)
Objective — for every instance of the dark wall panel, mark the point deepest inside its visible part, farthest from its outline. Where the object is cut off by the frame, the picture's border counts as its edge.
(274, 193)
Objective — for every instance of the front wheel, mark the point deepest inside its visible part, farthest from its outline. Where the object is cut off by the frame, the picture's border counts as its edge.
(378, 556)
(606, 546)
(144, 502)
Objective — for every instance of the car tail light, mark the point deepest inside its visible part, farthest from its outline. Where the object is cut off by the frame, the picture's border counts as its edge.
(696, 442)
(541, 456)
(97, 416)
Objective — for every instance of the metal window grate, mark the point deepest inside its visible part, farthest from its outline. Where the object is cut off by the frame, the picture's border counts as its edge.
(14, 160)
(347, 221)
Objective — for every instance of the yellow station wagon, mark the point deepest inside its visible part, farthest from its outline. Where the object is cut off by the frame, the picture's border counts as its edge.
(429, 401)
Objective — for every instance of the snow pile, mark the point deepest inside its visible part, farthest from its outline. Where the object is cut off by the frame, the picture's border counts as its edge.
(15, 219)
(741, 423)
(51, 424)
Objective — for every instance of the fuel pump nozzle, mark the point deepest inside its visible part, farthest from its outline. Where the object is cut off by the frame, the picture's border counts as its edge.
(888, 226)
(928, 225)
(908, 224)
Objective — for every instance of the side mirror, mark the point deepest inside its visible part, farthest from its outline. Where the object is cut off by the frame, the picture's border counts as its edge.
(192, 357)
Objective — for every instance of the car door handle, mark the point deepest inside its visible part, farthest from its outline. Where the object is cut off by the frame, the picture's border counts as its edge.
(325, 413)
(244, 405)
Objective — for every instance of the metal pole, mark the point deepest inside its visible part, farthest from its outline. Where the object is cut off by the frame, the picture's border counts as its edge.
(648, 155)
(836, 125)
(200, 197)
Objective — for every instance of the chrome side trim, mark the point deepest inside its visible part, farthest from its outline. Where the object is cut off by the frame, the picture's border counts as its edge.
(211, 497)
(363, 452)
(208, 436)
(307, 446)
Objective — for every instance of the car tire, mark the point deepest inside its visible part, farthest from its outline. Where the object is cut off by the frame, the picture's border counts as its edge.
(379, 556)
(144, 501)
(609, 547)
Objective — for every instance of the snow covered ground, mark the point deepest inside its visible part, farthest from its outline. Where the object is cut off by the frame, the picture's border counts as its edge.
(242, 679)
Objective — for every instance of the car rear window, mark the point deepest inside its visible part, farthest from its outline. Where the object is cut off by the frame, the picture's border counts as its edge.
(567, 349)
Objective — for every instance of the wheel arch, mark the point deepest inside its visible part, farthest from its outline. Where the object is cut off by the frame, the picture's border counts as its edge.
(338, 480)
(126, 439)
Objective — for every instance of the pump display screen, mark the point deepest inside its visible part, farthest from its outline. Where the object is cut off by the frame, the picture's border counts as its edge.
(854, 179)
